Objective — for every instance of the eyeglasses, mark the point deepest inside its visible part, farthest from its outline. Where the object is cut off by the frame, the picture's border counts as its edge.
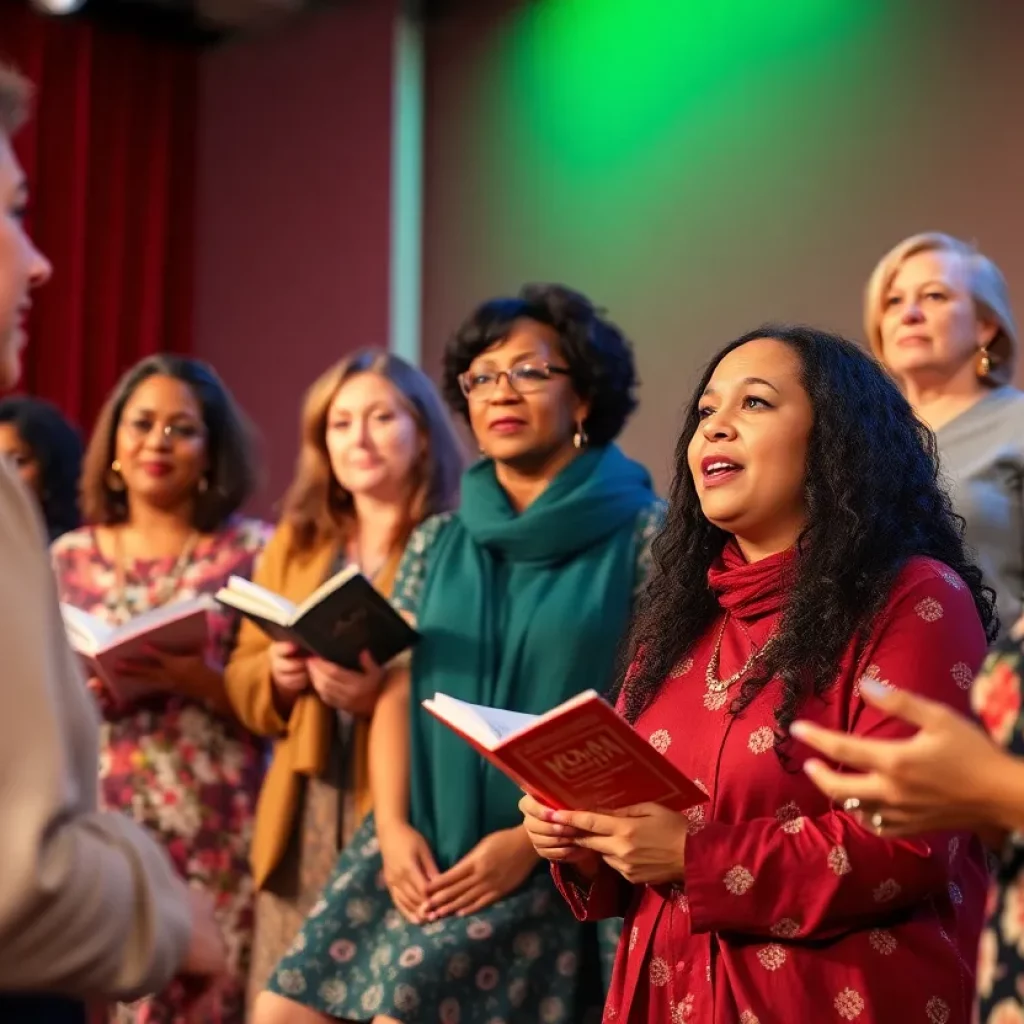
(524, 379)
(139, 430)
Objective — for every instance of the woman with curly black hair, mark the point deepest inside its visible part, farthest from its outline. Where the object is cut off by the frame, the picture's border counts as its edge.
(440, 909)
(808, 550)
(46, 450)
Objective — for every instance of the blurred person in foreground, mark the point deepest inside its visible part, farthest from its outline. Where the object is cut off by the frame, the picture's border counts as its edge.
(90, 908)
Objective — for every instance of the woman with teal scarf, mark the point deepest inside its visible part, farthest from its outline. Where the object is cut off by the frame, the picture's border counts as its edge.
(439, 910)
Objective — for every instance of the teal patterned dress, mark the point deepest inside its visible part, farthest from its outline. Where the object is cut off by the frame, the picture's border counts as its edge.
(523, 959)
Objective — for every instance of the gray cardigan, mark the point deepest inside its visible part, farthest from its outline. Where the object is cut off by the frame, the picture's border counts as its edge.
(90, 906)
(981, 454)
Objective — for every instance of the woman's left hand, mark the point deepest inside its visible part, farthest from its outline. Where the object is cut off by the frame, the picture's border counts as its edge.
(646, 843)
(496, 866)
(948, 775)
(190, 673)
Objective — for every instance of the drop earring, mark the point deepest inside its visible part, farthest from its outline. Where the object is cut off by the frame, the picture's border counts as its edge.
(114, 480)
(579, 439)
(204, 484)
(983, 365)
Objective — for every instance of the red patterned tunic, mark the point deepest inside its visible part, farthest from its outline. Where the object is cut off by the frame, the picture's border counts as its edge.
(790, 911)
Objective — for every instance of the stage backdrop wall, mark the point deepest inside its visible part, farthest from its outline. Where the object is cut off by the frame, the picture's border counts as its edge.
(293, 198)
(701, 168)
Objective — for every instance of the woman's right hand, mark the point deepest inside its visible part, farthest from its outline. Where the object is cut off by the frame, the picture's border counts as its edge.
(554, 842)
(408, 866)
(288, 669)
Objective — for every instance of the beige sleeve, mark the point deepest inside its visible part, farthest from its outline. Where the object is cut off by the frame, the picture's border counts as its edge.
(89, 904)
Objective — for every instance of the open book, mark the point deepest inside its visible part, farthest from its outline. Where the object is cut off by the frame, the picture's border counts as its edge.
(343, 617)
(179, 628)
(580, 756)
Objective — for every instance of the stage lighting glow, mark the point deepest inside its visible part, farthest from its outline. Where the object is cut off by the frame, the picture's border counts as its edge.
(59, 6)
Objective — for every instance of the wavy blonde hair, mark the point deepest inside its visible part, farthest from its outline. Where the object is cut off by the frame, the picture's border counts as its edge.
(985, 282)
(318, 508)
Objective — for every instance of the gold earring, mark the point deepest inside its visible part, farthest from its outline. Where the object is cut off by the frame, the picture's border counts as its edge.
(204, 485)
(983, 365)
(115, 482)
(579, 439)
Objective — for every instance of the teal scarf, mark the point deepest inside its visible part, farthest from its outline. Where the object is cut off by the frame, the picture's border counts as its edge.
(518, 612)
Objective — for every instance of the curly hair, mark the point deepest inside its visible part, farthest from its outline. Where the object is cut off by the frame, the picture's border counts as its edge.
(873, 501)
(598, 355)
(57, 448)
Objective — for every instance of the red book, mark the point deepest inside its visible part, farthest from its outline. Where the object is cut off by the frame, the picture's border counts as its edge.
(179, 628)
(580, 756)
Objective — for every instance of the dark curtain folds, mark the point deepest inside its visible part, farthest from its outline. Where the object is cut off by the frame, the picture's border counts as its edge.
(110, 155)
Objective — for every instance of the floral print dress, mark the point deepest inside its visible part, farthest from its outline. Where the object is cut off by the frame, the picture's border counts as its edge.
(518, 961)
(175, 765)
(996, 697)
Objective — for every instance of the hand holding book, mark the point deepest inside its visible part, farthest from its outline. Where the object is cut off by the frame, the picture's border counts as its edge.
(186, 672)
(128, 658)
(345, 690)
(579, 756)
(646, 844)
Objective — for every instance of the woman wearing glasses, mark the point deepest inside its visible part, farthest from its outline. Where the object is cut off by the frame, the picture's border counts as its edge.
(168, 466)
(520, 597)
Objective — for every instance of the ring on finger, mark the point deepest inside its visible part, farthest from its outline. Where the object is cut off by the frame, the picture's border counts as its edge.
(877, 822)
(851, 803)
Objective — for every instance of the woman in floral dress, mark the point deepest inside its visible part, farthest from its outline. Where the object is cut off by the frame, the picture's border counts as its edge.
(439, 909)
(166, 469)
(808, 555)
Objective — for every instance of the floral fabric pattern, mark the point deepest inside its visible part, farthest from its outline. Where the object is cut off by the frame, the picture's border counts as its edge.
(996, 698)
(187, 773)
(517, 962)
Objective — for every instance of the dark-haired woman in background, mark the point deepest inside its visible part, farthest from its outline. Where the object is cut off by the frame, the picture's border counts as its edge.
(806, 497)
(46, 450)
(167, 468)
(521, 598)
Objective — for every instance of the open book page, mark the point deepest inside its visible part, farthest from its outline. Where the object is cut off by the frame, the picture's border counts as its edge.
(86, 633)
(488, 726)
(251, 597)
(327, 587)
(155, 618)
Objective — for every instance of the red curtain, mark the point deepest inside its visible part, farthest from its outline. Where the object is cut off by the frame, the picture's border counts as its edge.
(110, 157)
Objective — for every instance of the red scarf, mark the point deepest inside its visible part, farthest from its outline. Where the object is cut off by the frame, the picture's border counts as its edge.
(751, 590)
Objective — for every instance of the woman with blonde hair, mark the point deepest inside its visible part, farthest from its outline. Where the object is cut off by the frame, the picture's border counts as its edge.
(378, 456)
(938, 315)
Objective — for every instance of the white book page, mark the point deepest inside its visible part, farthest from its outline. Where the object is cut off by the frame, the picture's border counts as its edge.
(146, 621)
(86, 633)
(259, 600)
(489, 726)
